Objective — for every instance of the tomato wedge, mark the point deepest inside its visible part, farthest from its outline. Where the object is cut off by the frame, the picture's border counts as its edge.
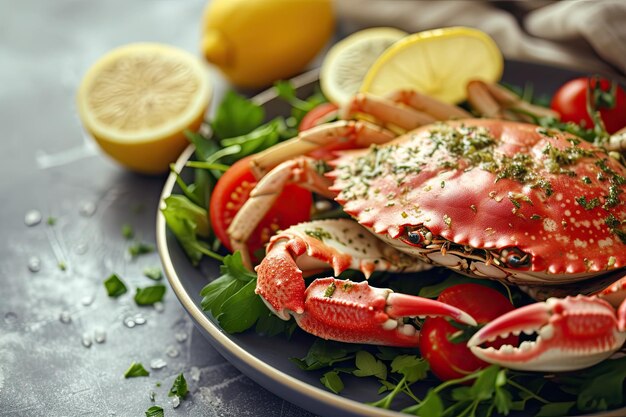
(321, 113)
(231, 192)
(450, 360)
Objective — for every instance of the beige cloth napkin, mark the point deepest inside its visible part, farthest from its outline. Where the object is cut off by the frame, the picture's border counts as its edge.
(588, 35)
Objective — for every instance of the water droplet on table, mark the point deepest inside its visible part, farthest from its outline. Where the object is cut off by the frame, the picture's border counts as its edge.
(86, 341)
(34, 264)
(139, 319)
(194, 372)
(181, 337)
(152, 396)
(87, 209)
(100, 336)
(172, 352)
(175, 401)
(32, 218)
(65, 317)
(87, 300)
(10, 317)
(81, 248)
(159, 307)
(129, 322)
(158, 363)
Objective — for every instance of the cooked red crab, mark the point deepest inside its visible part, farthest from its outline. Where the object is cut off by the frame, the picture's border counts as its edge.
(489, 198)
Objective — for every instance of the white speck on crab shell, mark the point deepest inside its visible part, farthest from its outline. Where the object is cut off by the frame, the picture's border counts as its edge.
(580, 243)
(549, 225)
(605, 243)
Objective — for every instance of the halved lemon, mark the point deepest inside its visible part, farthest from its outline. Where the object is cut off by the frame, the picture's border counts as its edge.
(437, 62)
(347, 62)
(138, 100)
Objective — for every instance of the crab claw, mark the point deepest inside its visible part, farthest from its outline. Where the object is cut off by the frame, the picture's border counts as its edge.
(358, 313)
(572, 333)
(340, 309)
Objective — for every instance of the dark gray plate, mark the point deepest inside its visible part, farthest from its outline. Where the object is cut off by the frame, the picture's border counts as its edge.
(266, 359)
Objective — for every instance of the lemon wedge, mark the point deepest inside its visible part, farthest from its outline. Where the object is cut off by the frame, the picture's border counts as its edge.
(437, 62)
(347, 62)
(137, 101)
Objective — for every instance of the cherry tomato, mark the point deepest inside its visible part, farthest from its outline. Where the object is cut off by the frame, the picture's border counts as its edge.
(570, 101)
(232, 191)
(449, 360)
(319, 114)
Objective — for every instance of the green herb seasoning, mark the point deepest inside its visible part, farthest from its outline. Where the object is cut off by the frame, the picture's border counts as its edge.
(140, 249)
(149, 295)
(153, 273)
(127, 232)
(136, 369)
(155, 411)
(318, 233)
(179, 387)
(330, 290)
(115, 286)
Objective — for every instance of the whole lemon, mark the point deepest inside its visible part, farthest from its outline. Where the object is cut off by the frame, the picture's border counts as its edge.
(256, 42)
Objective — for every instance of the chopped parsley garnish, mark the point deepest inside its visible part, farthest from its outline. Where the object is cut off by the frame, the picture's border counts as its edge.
(588, 205)
(318, 233)
(153, 273)
(127, 232)
(155, 411)
(330, 290)
(51, 221)
(179, 387)
(140, 248)
(115, 286)
(149, 295)
(136, 369)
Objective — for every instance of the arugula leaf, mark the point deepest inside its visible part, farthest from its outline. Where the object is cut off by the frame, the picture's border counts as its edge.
(368, 365)
(236, 116)
(155, 411)
(178, 205)
(299, 107)
(260, 138)
(325, 353)
(149, 295)
(186, 229)
(140, 248)
(234, 277)
(153, 273)
(179, 387)
(115, 286)
(332, 381)
(204, 147)
(136, 369)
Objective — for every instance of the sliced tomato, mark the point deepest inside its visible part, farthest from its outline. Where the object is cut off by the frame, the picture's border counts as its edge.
(450, 360)
(231, 192)
(321, 113)
(570, 101)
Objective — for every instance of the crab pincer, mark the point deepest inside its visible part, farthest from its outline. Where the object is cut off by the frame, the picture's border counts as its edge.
(337, 309)
(572, 333)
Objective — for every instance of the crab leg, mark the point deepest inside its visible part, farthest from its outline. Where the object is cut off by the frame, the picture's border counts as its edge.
(341, 309)
(343, 134)
(405, 109)
(573, 333)
(492, 100)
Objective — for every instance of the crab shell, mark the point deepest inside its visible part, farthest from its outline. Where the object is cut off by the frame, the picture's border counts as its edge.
(565, 214)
